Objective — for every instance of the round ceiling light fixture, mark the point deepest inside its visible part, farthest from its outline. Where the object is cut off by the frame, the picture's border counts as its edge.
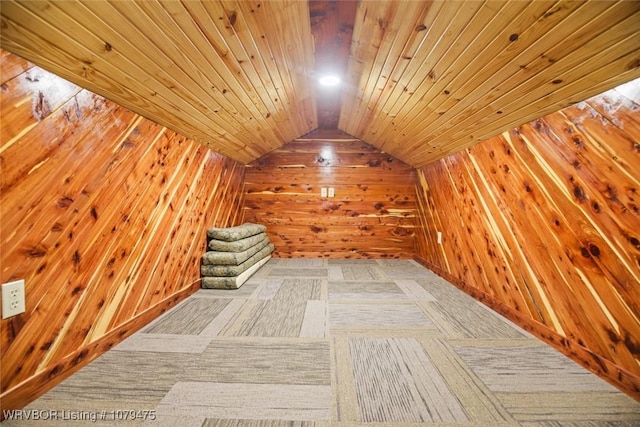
(329, 80)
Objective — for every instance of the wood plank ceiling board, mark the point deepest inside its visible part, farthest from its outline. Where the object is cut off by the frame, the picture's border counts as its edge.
(427, 79)
(233, 75)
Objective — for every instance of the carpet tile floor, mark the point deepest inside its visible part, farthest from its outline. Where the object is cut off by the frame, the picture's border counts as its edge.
(315, 342)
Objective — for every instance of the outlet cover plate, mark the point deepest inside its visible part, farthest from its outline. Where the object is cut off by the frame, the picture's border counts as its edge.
(13, 298)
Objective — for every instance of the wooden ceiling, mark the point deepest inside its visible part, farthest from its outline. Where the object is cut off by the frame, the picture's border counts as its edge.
(422, 80)
(236, 76)
(428, 79)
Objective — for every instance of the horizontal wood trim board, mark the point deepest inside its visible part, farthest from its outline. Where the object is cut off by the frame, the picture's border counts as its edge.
(346, 253)
(352, 176)
(268, 219)
(370, 201)
(362, 159)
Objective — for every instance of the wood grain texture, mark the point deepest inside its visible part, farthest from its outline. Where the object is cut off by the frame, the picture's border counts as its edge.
(224, 73)
(421, 79)
(428, 79)
(104, 215)
(543, 223)
(372, 214)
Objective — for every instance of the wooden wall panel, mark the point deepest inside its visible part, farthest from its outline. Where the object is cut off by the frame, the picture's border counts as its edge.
(543, 224)
(371, 216)
(104, 216)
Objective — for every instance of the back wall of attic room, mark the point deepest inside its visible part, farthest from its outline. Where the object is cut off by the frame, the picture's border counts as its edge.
(371, 213)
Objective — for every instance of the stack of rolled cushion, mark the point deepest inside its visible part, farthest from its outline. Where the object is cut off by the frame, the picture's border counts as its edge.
(234, 254)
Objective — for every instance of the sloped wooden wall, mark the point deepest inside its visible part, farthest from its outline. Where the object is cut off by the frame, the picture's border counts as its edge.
(371, 216)
(543, 224)
(103, 214)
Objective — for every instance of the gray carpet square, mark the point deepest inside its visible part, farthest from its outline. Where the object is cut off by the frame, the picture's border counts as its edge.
(298, 272)
(164, 343)
(124, 378)
(363, 289)
(233, 401)
(335, 273)
(273, 318)
(462, 320)
(522, 369)
(398, 370)
(397, 263)
(263, 361)
(299, 290)
(267, 289)
(217, 325)
(281, 316)
(444, 291)
(410, 272)
(384, 315)
(364, 272)
(301, 263)
(572, 409)
(190, 317)
(353, 262)
(316, 320)
(262, 423)
(414, 291)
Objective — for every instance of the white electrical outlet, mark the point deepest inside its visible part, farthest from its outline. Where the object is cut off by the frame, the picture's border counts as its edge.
(323, 192)
(332, 192)
(439, 237)
(13, 298)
